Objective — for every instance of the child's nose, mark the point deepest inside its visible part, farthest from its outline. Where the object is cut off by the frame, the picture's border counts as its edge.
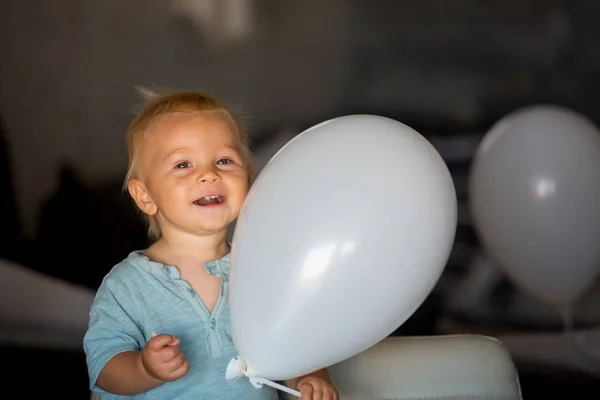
(209, 176)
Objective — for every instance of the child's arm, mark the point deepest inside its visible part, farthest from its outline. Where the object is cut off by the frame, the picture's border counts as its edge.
(119, 357)
(125, 374)
(135, 372)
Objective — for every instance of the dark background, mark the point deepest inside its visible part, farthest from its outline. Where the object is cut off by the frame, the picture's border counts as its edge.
(448, 68)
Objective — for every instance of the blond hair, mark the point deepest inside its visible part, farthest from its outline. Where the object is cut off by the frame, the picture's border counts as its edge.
(182, 101)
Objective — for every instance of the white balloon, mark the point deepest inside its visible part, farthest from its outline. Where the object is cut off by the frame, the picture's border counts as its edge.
(343, 235)
(535, 200)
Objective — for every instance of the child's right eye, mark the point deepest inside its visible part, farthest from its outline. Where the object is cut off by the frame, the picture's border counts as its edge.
(184, 164)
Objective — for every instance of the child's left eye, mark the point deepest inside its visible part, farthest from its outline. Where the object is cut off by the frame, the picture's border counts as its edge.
(223, 161)
(182, 165)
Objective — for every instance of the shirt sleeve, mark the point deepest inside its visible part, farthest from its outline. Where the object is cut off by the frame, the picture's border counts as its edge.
(112, 330)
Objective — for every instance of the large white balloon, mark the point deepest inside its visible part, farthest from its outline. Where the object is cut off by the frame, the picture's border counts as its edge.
(342, 237)
(535, 200)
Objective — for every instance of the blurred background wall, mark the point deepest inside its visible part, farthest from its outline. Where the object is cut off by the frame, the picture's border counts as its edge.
(70, 67)
(448, 68)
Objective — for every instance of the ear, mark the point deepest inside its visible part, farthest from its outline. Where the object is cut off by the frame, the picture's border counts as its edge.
(137, 189)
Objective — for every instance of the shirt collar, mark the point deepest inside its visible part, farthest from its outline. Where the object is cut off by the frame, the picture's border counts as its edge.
(220, 267)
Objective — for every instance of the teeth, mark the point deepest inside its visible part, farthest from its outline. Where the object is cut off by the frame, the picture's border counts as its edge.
(210, 197)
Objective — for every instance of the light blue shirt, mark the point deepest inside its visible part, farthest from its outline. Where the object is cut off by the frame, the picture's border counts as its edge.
(139, 297)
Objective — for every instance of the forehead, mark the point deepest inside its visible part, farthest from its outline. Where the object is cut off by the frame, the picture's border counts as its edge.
(188, 128)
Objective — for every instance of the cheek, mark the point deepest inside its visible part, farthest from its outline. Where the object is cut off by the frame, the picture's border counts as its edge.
(244, 185)
(238, 182)
(240, 188)
(170, 189)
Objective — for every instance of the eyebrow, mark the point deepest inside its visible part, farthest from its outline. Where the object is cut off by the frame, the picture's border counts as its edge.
(231, 147)
(174, 152)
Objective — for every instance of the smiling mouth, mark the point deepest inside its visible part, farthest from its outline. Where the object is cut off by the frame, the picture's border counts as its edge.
(210, 200)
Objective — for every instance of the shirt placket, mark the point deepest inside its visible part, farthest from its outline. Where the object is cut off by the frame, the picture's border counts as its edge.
(211, 320)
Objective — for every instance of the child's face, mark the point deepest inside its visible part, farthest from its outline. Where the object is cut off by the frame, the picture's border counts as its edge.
(191, 177)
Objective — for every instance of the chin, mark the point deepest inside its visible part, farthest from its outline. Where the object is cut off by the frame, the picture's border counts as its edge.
(213, 228)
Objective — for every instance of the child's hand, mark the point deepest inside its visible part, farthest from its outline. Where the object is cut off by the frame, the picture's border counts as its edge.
(316, 388)
(163, 360)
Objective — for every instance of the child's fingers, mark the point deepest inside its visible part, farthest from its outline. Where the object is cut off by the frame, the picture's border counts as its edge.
(158, 342)
(329, 393)
(315, 390)
(168, 353)
(182, 370)
(177, 368)
(307, 391)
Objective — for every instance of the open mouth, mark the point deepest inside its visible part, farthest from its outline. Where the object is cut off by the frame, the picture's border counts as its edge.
(210, 200)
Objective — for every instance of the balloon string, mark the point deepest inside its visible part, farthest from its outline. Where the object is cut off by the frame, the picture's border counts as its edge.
(593, 360)
(258, 382)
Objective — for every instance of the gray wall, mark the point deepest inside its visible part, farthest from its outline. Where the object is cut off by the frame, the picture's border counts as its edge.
(69, 68)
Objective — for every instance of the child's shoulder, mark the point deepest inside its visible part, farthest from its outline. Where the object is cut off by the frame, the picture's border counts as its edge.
(133, 270)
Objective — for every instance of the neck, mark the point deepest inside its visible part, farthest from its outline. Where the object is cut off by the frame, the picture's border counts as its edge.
(194, 248)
